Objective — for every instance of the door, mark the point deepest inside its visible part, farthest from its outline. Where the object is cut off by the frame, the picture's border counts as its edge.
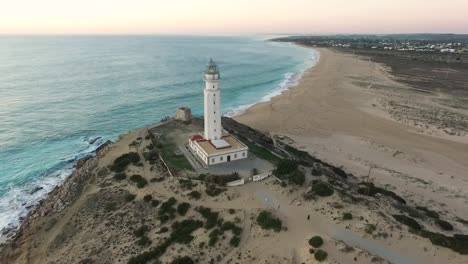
(229, 158)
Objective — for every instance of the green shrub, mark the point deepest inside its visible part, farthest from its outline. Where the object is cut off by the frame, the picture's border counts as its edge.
(231, 226)
(130, 197)
(408, 221)
(155, 203)
(266, 220)
(141, 231)
(347, 216)
(194, 195)
(180, 235)
(139, 180)
(183, 260)
(182, 208)
(235, 240)
(285, 167)
(231, 211)
(167, 207)
(211, 217)
(370, 228)
(316, 171)
(444, 225)
(219, 179)
(320, 255)
(213, 237)
(430, 213)
(322, 189)
(147, 198)
(144, 241)
(121, 163)
(370, 189)
(120, 176)
(186, 184)
(316, 241)
(212, 190)
(297, 177)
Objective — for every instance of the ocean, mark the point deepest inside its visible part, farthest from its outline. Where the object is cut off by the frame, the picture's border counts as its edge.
(63, 96)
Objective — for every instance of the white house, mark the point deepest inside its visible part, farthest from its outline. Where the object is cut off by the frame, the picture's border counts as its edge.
(215, 145)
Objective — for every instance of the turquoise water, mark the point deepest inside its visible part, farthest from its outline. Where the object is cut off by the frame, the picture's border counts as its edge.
(60, 97)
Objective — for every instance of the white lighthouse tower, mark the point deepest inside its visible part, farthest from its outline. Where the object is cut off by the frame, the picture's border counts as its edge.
(213, 129)
(216, 145)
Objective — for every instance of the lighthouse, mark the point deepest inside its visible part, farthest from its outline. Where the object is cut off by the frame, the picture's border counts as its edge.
(215, 145)
(212, 111)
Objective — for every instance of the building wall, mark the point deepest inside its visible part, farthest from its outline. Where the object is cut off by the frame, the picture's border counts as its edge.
(241, 154)
(212, 108)
(216, 159)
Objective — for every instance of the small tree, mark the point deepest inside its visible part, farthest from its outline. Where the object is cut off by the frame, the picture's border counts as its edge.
(182, 208)
(320, 255)
(316, 241)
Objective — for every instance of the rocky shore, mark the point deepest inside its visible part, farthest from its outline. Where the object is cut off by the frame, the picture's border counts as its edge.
(62, 195)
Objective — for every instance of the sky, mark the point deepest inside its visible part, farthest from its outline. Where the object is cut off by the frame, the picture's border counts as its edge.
(232, 16)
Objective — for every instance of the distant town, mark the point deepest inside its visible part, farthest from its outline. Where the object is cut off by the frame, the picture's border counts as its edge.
(444, 43)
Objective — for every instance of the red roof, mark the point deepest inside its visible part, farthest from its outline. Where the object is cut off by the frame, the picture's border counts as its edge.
(196, 138)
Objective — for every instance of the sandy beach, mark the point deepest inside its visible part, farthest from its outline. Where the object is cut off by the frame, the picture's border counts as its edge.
(339, 112)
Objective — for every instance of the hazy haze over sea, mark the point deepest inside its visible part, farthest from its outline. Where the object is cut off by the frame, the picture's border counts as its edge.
(62, 96)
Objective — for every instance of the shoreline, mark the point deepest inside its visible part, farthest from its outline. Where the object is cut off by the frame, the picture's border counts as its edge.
(335, 114)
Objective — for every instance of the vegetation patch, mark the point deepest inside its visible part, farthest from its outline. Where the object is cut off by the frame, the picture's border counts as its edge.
(169, 151)
(213, 237)
(289, 170)
(186, 184)
(182, 233)
(347, 216)
(320, 255)
(266, 220)
(219, 179)
(444, 225)
(370, 228)
(430, 213)
(144, 241)
(235, 240)
(130, 197)
(147, 198)
(141, 231)
(316, 241)
(263, 153)
(139, 180)
(212, 190)
(194, 195)
(369, 189)
(457, 243)
(183, 260)
(167, 208)
(322, 188)
(408, 221)
(155, 203)
(120, 176)
(121, 163)
(182, 208)
(211, 217)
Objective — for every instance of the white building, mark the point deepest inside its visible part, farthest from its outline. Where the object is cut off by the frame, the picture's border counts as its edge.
(215, 145)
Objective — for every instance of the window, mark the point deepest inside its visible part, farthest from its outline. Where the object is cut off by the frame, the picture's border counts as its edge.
(235, 155)
(221, 158)
(212, 160)
(243, 154)
(213, 86)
